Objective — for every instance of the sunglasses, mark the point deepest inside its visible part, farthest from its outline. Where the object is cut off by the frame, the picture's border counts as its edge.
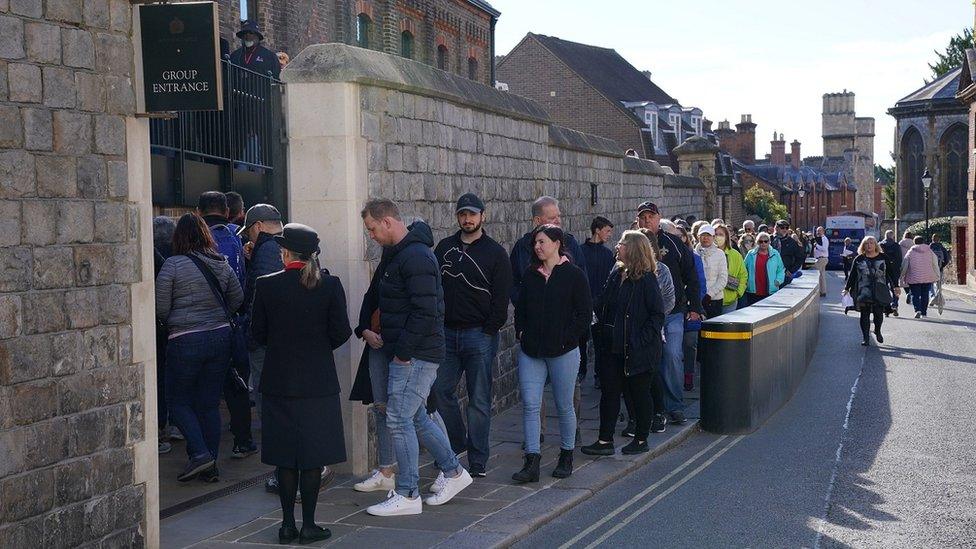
(763, 241)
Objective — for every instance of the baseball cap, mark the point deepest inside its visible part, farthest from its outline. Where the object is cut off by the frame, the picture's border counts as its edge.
(648, 207)
(470, 202)
(683, 224)
(706, 229)
(259, 212)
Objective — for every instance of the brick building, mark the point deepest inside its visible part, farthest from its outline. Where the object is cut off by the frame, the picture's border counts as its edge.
(595, 90)
(454, 35)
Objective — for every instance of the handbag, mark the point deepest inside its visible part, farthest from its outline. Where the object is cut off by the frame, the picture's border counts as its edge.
(847, 301)
(238, 342)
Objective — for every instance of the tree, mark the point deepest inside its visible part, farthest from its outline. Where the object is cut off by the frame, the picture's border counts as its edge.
(887, 178)
(763, 203)
(954, 54)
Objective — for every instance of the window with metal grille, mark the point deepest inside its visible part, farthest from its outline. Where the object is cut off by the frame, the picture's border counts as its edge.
(406, 44)
(363, 26)
(472, 68)
(442, 61)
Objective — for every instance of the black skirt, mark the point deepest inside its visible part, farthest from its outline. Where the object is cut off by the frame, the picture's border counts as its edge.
(302, 433)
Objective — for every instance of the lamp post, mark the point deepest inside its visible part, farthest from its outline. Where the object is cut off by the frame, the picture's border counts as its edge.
(926, 183)
(802, 192)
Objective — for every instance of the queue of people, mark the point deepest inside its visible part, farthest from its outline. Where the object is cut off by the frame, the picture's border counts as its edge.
(432, 314)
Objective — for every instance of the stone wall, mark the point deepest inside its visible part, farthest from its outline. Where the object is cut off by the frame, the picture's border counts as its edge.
(422, 137)
(74, 465)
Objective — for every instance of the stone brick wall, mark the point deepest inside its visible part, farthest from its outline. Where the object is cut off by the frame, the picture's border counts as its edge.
(71, 392)
(932, 129)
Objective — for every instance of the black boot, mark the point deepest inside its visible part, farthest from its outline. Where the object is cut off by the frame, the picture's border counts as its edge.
(565, 466)
(530, 470)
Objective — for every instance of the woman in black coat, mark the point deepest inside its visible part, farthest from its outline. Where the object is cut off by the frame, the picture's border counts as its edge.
(300, 315)
(630, 319)
(871, 284)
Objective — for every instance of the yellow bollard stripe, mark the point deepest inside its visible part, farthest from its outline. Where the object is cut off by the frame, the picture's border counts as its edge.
(726, 335)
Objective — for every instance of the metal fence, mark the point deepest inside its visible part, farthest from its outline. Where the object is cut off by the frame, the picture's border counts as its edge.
(245, 136)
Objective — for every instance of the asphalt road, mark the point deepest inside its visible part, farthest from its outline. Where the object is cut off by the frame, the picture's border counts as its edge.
(876, 449)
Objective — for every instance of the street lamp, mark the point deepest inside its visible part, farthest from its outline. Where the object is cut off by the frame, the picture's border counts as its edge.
(802, 192)
(926, 183)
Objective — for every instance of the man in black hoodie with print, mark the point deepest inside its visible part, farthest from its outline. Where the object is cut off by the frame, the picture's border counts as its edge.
(477, 279)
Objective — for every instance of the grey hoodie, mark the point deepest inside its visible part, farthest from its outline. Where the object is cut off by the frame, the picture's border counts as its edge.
(184, 300)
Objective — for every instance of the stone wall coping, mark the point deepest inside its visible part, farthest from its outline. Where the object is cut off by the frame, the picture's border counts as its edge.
(643, 166)
(325, 63)
(683, 181)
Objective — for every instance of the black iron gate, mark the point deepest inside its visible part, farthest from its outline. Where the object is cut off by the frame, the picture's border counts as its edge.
(241, 148)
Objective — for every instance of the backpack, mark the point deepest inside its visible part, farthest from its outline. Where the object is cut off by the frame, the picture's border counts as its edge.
(229, 245)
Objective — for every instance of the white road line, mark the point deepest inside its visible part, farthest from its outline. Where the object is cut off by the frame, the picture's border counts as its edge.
(837, 457)
(664, 494)
(643, 493)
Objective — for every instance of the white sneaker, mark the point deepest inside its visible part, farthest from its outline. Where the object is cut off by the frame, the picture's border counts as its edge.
(376, 482)
(439, 483)
(396, 505)
(451, 488)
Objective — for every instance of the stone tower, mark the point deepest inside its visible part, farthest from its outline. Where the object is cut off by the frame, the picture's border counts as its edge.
(848, 145)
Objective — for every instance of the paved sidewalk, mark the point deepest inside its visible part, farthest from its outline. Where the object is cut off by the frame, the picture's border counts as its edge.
(494, 511)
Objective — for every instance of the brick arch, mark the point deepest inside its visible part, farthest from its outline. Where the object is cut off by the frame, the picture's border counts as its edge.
(954, 168)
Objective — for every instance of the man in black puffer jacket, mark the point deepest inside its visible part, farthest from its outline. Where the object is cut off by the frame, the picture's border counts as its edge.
(411, 322)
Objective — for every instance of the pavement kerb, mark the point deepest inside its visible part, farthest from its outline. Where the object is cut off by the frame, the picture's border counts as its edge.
(963, 292)
(473, 534)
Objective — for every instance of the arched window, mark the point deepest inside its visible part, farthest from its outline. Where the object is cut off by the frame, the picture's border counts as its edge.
(955, 168)
(472, 68)
(442, 62)
(406, 44)
(248, 9)
(363, 27)
(913, 157)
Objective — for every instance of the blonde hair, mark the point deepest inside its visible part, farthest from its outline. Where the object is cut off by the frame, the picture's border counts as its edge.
(728, 235)
(639, 257)
(310, 275)
(860, 247)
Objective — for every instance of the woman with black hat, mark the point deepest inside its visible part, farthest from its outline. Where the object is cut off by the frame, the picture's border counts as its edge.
(300, 315)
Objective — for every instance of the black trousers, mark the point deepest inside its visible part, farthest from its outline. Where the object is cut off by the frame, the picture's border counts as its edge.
(866, 312)
(641, 390)
(583, 355)
(713, 308)
(239, 406)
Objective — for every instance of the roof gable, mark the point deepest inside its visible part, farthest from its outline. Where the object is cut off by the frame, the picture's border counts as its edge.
(605, 70)
(941, 89)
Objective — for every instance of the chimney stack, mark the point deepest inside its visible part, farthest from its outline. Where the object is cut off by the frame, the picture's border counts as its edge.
(747, 140)
(795, 154)
(777, 150)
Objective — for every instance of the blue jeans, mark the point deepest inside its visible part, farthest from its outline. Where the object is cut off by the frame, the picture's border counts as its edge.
(732, 307)
(472, 353)
(562, 372)
(379, 375)
(672, 362)
(196, 367)
(407, 419)
(920, 297)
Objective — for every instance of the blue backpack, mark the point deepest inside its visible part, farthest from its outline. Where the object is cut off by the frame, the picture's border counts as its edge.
(229, 245)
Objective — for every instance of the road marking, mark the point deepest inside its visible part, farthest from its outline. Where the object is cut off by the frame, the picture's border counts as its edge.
(837, 456)
(643, 493)
(664, 494)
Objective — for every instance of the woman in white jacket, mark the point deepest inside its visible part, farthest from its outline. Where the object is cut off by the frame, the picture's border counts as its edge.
(716, 270)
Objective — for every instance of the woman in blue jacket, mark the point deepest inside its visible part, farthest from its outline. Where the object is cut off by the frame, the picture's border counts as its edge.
(766, 270)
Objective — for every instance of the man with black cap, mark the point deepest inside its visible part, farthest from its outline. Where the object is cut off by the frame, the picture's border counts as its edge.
(477, 279)
(687, 304)
(252, 55)
(789, 249)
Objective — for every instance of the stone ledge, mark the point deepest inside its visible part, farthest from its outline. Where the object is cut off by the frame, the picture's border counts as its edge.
(342, 63)
(683, 182)
(566, 138)
(643, 166)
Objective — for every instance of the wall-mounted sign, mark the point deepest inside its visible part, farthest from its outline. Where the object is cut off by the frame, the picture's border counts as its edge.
(180, 57)
(724, 185)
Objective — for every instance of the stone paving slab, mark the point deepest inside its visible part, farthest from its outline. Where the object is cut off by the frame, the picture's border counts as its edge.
(494, 511)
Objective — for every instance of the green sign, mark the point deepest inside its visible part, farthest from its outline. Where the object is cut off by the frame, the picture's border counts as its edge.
(724, 184)
(180, 57)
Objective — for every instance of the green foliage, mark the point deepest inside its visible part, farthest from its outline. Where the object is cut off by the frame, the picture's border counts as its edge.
(763, 203)
(888, 196)
(937, 225)
(886, 175)
(954, 54)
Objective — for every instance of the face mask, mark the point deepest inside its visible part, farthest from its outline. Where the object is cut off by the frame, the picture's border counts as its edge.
(720, 241)
(249, 43)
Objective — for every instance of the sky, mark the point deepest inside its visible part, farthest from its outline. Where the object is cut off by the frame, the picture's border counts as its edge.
(774, 60)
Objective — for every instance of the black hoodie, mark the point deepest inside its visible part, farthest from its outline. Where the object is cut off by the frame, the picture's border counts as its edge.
(411, 299)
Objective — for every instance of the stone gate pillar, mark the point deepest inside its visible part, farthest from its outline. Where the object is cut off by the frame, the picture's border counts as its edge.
(696, 157)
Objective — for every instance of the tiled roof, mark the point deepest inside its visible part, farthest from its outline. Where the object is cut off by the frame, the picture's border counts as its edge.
(942, 89)
(485, 6)
(787, 177)
(605, 70)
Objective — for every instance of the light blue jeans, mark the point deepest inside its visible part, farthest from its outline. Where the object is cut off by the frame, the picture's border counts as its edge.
(379, 375)
(672, 363)
(730, 308)
(562, 372)
(407, 419)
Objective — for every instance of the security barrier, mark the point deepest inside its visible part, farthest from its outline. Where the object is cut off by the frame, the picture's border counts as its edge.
(753, 359)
